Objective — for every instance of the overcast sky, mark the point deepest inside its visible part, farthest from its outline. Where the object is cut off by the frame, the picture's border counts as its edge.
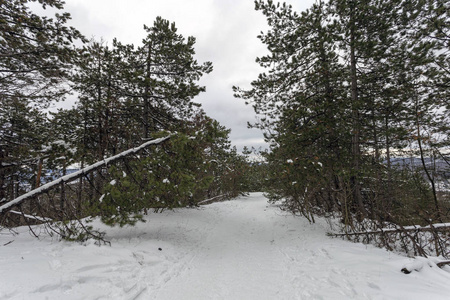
(226, 33)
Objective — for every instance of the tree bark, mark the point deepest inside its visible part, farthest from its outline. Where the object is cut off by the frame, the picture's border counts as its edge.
(146, 117)
(356, 151)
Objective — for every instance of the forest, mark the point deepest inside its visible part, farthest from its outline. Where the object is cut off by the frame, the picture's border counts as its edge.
(355, 108)
(355, 105)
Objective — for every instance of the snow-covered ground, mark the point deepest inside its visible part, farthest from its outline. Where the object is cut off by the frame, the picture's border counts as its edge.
(240, 249)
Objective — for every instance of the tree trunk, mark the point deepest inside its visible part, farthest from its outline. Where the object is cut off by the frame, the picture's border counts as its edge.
(146, 117)
(356, 152)
(427, 172)
(39, 173)
(2, 176)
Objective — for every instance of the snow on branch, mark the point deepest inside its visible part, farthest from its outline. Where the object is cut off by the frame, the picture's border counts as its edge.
(73, 176)
(210, 199)
(42, 219)
(413, 228)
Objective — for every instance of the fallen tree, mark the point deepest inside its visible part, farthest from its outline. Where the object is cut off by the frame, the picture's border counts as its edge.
(430, 240)
(64, 218)
(76, 175)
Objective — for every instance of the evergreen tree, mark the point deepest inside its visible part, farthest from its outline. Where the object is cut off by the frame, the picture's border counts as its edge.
(349, 83)
(36, 56)
(36, 52)
(105, 125)
(164, 77)
(127, 93)
(191, 167)
(302, 101)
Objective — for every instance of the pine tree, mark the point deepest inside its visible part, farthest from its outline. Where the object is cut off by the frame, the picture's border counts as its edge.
(36, 57)
(105, 125)
(196, 164)
(36, 52)
(427, 66)
(165, 76)
(349, 83)
(301, 102)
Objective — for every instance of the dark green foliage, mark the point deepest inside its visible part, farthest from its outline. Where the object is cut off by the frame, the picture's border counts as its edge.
(350, 85)
(180, 173)
(164, 76)
(126, 95)
(36, 52)
(22, 136)
(127, 92)
(36, 57)
(105, 123)
(255, 171)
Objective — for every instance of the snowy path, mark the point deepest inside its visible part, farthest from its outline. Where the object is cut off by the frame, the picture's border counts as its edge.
(241, 249)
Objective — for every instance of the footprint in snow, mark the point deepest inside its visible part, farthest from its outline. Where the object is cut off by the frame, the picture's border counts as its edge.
(139, 258)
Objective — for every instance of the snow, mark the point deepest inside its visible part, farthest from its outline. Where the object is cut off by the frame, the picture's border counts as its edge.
(239, 249)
